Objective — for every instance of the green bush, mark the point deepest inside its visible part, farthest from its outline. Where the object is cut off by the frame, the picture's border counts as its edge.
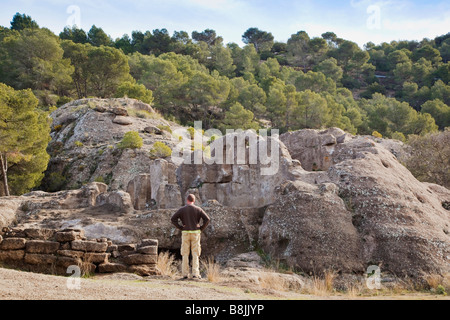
(131, 140)
(160, 150)
(134, 91)
(399, 136)
(376, 134)
(165, 128)
(100, 179)
(55, 182)
(441, 290)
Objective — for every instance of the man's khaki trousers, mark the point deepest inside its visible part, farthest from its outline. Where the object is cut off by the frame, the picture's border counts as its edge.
(190, 242)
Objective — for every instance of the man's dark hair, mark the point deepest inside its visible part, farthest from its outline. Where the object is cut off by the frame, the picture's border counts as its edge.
(191, 198)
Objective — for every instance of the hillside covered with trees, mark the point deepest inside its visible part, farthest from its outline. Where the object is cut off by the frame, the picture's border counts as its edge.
(396, 88)
(393, 89)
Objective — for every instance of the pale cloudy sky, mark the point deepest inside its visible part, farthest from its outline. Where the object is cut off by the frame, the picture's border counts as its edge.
(358, 20)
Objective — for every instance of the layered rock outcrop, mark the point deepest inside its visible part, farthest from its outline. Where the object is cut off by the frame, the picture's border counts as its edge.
(324, 200)
(245, 172)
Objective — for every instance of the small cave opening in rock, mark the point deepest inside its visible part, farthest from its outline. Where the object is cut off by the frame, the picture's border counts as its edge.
(446, 205)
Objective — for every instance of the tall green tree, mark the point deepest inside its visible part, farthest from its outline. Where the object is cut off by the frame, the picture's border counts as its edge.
(311, 112)
(33, 58)
(439, 111)
(108, 68)
(208, 36)
(221, 60)
(24, 136)
(330, 68)
(203, 91)
(97, 37)
(75, 34)
(77, 53)
(298, 48)
(98, 70)
(22, 21)
(239, 118)
(262, 40)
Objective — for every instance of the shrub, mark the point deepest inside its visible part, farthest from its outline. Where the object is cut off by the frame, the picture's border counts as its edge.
(399, 136)
(100, 179)
(134, 91)
(165, 128)
(428, 158)
(376, 134)
(55, 182)
(441, 290)
(192, 130)
(160, 150)
(131, 140)
(79, 144)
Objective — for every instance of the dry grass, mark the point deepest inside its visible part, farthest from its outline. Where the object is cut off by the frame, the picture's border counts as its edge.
(273, 281)
(446, 281)
(212, 270)
(434, 280)
(318, 287)
(167, 264)
(322, 286)
(329, 277)
(438, 283)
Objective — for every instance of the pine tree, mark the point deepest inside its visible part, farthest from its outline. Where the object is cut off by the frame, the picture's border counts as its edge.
(24, 136)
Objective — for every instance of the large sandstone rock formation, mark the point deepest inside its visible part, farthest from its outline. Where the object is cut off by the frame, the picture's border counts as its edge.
(365, 209)
(334, 201)
(85, 138)
(239, 181)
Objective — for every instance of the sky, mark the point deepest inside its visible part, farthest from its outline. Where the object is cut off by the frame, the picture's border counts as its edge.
(360, 21)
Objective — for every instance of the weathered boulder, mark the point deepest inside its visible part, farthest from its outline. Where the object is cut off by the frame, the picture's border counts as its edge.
(245, 174)
(164, 188)
(367, 209)
(313, 148)
(117, 201)
(401, 221)
(92, 122)
(8, 210)
(120, 111)
(153, 130)
(144, 269)
(124, 121)
(72, 199)
(140, 191)
(310, 228)
(232, 230)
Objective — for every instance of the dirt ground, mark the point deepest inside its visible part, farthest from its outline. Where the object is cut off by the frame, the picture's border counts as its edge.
(17, 285)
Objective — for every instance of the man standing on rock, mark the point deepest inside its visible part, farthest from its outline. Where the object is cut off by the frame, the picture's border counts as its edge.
(190, 216)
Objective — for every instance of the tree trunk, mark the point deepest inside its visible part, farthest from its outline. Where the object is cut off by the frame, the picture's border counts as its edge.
(4, 171)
